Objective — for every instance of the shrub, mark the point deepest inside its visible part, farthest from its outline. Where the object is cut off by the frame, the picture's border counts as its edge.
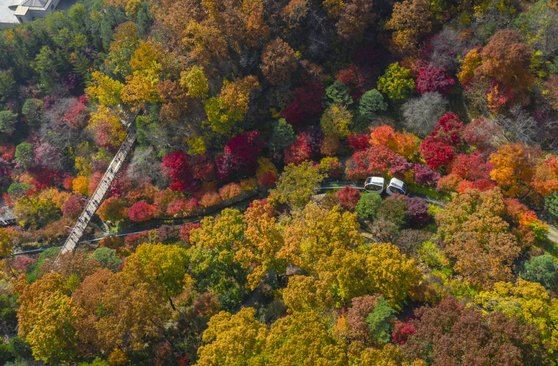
(368, 205)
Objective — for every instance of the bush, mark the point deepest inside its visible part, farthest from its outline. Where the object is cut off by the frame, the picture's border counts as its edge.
(368, 205)
(541, 269)
(417, 210)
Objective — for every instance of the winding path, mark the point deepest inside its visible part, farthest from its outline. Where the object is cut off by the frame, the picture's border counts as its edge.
(97, 197)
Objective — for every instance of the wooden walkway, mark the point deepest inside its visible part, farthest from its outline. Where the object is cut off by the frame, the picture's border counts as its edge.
(97, 197)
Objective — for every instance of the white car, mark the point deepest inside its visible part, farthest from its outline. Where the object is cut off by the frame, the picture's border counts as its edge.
(374, 184)
(396, 186)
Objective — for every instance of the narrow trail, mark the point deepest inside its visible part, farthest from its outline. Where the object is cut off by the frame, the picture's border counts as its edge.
(96, 198)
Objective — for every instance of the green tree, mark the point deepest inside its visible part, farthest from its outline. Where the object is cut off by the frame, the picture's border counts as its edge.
(282, 135)
(396, 82)
(542, 269)
(371, 103)
(380, 321)
(296, 185)
(367, 205)
(7, 84)
(211, 257)
(8, 122)
(32, 109)
(107, 257)
(551, 204)
(25, 155)
(338, 93)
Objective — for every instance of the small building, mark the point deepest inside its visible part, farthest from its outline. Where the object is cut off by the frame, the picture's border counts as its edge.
(14, 12)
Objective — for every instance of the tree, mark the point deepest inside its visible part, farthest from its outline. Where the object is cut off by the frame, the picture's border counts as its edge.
(195, 82)
(551, 204)
(262, 241)
(367, 205)
(432, 79)
(376, 160)
(355, 17)
(113, 209)
(528, 302)
(176, 165)
(107, 257)
(348, 197)
(278, 62)
(338, 93)
(230, 108)
(542, 269)
(142, 211)
(7, 84)
(450, 333)
(32, 109)
(410, 21)
(420, 114)
(506, 60)
(296, 185)
(240, 155)
(25, 155)
(514, 168)
(545, 176)
(211, 257)
(303, 339)
(233, 339)
(436, 153)
(371, 103)
(405, 144)
(336, 121)
(104, 89)
(396, 82)
(307, 103)
(46, 319)
(477, 238)
(282, 135)
(107, 128)
(8, 122)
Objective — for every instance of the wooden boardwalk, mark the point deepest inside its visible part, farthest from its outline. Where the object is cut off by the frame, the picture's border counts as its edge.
(97, 197)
